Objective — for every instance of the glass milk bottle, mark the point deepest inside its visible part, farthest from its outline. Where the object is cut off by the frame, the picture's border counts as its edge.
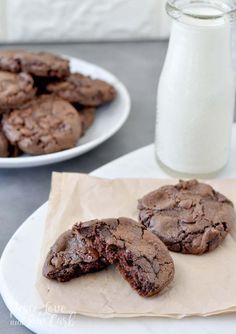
(196, 91)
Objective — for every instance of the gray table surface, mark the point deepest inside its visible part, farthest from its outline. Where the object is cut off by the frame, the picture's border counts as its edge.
(22, 191)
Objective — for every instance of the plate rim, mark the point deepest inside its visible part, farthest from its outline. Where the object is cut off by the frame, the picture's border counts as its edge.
(201, 324)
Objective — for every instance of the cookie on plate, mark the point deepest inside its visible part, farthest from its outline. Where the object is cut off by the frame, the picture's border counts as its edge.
(189, 217)
(44, 125)
(6, 149)
(141, 257)
(78, 88)
(8, 62)
(3, 145)
(87, 116)
(72, 256)
(42, 64)
(15, 89)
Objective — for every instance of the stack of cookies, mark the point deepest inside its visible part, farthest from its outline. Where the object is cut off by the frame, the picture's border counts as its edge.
(44, 108)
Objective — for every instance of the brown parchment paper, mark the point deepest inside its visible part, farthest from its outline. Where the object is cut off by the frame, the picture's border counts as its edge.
(203, 285)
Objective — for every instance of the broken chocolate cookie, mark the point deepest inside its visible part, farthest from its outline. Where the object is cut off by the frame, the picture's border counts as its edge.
(141, 257)
(71, 256)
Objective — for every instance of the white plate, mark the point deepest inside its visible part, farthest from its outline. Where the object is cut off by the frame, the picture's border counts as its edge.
(109, 119)
(19, 262)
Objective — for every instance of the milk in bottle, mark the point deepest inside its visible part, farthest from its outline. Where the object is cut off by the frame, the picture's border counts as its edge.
(196, 91)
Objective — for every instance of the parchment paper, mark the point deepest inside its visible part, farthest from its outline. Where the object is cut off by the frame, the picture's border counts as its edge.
(203, 285)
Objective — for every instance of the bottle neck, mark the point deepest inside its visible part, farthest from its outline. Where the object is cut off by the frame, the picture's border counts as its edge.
(201, 40)
(207, 10)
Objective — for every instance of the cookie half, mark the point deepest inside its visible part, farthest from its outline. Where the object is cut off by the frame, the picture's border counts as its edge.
(189, 217)
(72, 256)
(78, 88)
(141, 257)
(46, 124)
(15, 89)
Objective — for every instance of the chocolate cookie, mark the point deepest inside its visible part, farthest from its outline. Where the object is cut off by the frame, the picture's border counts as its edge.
(15, 89)
(6, 149)
(8, 62)
(87, 116)
(46, 124)
(42, 64)
(189, 217)
(72, 256)
(78, 88)
(4, 152)
(141, 257)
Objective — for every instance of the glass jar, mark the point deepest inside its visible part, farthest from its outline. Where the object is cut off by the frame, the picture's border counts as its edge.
(196, 91)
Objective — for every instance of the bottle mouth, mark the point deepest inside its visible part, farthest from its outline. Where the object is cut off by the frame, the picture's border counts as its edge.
(201, 9)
